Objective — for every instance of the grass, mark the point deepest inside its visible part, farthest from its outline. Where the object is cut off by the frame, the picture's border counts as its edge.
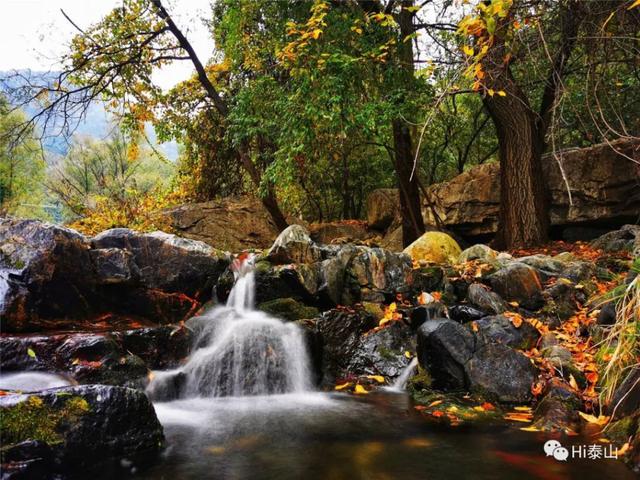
(619, 349)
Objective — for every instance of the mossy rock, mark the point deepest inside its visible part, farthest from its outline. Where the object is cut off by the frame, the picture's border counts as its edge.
(436, 247)
(620, 430)
(288, 309)
(35, 420)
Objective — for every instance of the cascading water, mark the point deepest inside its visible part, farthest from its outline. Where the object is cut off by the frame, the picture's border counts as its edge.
(242, 351)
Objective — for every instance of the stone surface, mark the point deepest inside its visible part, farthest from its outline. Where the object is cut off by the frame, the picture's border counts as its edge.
(603, 186)
(383, 206)
(52, 276)
(486, 300)
(478, 252)
(557, 411)
(465, 313)
(436, 247)
(294, 245)
(338, 232)
(626, 239)
(518, 282)
(78, 430)
(500, 329)
(232, 224)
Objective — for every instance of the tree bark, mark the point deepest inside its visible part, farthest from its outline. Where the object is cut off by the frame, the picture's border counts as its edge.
(410, 206)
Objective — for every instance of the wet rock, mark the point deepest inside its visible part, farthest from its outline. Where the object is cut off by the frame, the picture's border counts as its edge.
(465, 313)
(26, 460)
(486, 300)
(383, 352)
(436, 247)
(77, 430)
(285, 281)
(557, 411)
(478, 252)
(159, 347)
(294, 245)
(383, 205)
(501, 373)
(607, 314)
(340, 333)
(379, 274)
(444, 347)
(288, 309)
(424, 313)
(627, 239)
(562, 299)
(562, 267)
(429, 279)
(518, 282)
(626, 397)
(500, 329)
(52, 276)
(167, 385)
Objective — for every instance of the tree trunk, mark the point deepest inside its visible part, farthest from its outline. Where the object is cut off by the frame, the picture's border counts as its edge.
(410, 211)
(524, 217)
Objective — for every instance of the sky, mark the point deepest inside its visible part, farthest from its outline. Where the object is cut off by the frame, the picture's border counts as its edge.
(35, 34)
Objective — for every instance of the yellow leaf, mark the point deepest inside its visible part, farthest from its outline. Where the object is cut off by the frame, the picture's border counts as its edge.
(522, 409)
(360, 390)
(573, 383)
(316, 33)
(623, 449)
(407, 354)
(377, 378)
(433, 404)
(343, 386)
(633, 5)
(530, 429)
(601, 420)
(491, 92)
(502, 93)
(467, 50)
(31, 353)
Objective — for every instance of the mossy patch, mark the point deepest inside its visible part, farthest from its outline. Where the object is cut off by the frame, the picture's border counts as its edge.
(33, 419)
(288, 309)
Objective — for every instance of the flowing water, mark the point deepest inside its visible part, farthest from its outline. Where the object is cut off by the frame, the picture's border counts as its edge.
(248, 412)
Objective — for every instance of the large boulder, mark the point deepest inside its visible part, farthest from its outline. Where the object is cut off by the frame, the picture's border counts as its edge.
(436, 247)
(52, 277)
(232, 224)
(383, 206)
(603, 187)
(294, 245)
(627, 239)
(77, 430)
(458, 358)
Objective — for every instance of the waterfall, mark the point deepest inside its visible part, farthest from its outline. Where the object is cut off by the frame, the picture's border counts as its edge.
(401, 382)
(241, 351)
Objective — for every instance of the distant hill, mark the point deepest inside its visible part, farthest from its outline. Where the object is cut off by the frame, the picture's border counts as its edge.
(96, 124)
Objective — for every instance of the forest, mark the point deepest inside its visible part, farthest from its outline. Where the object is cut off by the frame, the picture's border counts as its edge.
(346, 211)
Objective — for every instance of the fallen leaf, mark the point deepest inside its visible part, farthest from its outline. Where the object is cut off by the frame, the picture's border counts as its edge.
(360, 390)
(600, 420)
(377, 378)
(573, 383)
(437, 413)
(623, 449)
(488, 406)
(530, 429)
(31, 353)
(433, 404)
(407, 354)
(342, 386)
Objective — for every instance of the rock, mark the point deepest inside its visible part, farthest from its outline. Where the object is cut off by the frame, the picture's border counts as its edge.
(478, 252)
(548, 267)
(436, 247)
(501, 373)
(557, 411)
(603, 186)
(288, 309)
(294, 245)
(338, 232)
(82, 429)
(518, 282)
(424, 313)
(340, 335)
(562, 299)
(444, 348)
(465, 313)
(383, 352)
(393, 240)
(233, 224)
(607, 314)
(383, 206)
(556, 354)
(486, 300)
(548, 340)
(626, 397)
(429, 279)
(627, 239)
(54, 278)
(500, 329)
(118, 358)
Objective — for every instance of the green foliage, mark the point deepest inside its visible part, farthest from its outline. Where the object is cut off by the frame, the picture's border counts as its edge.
(22, 169)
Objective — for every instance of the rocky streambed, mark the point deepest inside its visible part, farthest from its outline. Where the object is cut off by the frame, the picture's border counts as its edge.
(503, 342)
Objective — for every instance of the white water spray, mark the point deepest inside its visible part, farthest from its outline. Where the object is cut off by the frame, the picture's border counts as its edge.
(241, 351)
